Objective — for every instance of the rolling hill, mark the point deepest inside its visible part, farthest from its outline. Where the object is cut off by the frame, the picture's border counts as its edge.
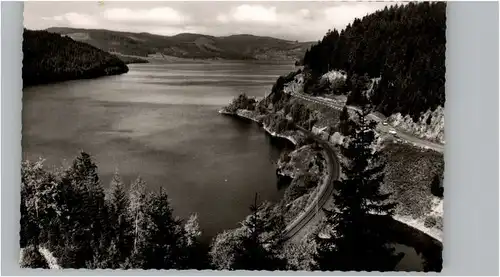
(187, 45)
(402, 45)
(49, 58)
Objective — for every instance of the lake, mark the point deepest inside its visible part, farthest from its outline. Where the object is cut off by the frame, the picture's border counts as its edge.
(161, 122)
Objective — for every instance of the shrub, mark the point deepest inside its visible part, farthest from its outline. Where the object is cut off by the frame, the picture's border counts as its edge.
(242, 101)
(436, 186)
(285, 157)
(310, 181)
(430, 221)
(429, 119)
(339, 87)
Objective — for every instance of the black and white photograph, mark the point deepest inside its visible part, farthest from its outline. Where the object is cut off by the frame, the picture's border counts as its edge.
(257, 136)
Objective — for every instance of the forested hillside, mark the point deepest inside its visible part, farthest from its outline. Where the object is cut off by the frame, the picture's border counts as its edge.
(187, 45)
(69, 213)
(51, 58)
(402, 44)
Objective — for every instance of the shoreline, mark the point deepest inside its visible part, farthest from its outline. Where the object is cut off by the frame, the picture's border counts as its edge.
(272, 133)
(322, 188)
(76, 78)
(435, 234)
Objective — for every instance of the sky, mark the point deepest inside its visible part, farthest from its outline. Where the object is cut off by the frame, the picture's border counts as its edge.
(302, 21)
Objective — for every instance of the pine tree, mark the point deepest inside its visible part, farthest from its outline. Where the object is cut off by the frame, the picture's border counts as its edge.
(260, 249)
(91, 232)
(137, 212)
(353, 242)
(196, 252)
(407, 41)
(84, 169)
(43, 207)
(164, 245)
(344, 122)
(118, 204)
(69, 215)
(33, 208)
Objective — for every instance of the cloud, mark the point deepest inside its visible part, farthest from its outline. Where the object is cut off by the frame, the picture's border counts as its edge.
(305, 13)
(304, 21)
(122, 18)
(257, 13)
(293, 22)
(222, 18)
(344, 14)
(74, 20)
(263, 15)
(162, 15)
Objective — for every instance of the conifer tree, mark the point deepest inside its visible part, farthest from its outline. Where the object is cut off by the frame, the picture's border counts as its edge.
(164, 235)
(344, 122)
(260, 248)
(70, 217)
(137, 212)
(353, 242)
(196, 251)
(403, 44)
(33, 202)
(118, 204)
(92, 230)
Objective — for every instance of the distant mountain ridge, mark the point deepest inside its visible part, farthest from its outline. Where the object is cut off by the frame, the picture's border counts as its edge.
(189, 45)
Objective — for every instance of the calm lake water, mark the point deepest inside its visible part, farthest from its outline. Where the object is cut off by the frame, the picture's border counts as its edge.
(160, 121)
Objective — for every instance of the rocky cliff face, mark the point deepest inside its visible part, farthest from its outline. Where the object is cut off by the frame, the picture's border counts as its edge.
(429, 126)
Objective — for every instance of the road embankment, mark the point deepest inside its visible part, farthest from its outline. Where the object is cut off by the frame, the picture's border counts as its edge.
(325, 188)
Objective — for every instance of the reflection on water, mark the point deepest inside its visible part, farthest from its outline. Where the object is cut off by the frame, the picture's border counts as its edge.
(411, 261)
(161, 122)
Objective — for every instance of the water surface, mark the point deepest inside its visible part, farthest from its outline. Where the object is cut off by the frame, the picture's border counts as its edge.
(160, 121)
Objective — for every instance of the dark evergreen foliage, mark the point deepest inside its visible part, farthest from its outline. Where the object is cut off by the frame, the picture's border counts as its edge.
(121, 244)
(49, 57)
(352, 242)
(402, 44)
(255, 252)
(163, 236)
(437, 188)
(256, 245)
(345, 123)
(67, 213)
(241, 101)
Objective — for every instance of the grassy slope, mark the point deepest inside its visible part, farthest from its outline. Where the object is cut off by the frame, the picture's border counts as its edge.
(409, 173)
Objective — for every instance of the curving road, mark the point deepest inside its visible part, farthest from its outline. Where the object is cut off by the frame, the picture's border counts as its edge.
(381, 127)
(326, 190)
(294, 228)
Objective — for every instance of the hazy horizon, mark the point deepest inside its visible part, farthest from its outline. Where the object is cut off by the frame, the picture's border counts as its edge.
(236, 34)
(295, 21)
